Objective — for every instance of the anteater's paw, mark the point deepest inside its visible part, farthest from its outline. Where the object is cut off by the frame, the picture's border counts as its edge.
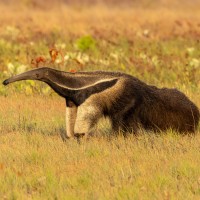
(79, 135)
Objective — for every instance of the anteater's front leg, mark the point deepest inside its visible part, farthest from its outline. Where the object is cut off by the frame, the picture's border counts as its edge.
(71, 114)
(87, 117)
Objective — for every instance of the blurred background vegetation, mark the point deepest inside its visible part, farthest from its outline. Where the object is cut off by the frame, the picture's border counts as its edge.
(155, 40)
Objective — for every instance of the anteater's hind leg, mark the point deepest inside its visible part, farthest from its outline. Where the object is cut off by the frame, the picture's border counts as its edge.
(87, 117)
(122, 125)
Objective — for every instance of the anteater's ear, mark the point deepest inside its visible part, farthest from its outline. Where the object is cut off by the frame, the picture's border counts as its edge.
(81, 94)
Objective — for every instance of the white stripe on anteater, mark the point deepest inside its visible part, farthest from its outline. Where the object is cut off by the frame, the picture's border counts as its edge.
(81, 88)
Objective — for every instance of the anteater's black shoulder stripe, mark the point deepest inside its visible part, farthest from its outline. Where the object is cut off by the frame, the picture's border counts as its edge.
(79, 96)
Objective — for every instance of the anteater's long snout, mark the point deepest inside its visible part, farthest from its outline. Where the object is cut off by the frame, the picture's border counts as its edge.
(24, 76)
(6, 82)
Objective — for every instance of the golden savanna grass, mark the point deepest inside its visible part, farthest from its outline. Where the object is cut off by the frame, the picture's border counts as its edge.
(104, 22)
(36, 164)
(158, 44)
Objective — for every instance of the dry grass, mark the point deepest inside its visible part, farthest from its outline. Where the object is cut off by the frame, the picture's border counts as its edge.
(102, 22)
(36, 164)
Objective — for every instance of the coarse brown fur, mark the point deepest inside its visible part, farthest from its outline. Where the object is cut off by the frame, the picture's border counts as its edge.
(127, 101)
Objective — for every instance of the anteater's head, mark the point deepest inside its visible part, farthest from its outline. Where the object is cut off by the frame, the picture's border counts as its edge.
(37, 74)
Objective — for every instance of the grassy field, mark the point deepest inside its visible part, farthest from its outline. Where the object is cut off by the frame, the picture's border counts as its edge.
(158, 44)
